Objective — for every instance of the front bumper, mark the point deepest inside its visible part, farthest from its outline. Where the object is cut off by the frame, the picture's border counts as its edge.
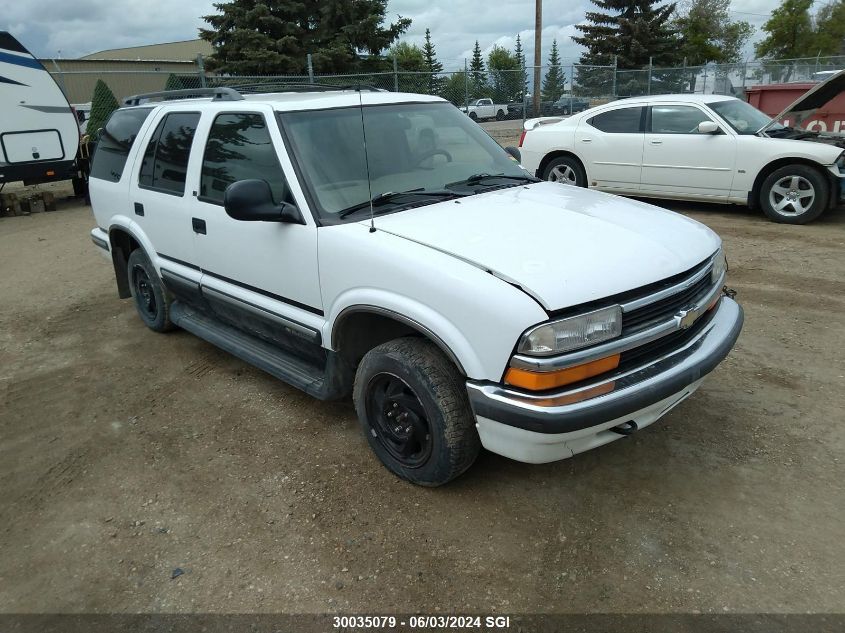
(546, 427)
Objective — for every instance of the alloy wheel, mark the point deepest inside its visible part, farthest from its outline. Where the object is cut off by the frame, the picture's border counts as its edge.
(564, 174)
(792, 195)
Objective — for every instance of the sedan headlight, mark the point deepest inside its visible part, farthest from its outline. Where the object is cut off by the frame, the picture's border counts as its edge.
(720, 265)
(572, 333)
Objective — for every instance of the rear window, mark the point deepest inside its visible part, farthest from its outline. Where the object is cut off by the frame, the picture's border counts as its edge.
(115, 143)
(165, 163)
(620, 121)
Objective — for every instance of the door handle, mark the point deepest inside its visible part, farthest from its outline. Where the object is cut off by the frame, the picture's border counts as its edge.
(655, 141)
(586, 140)
(139, 209)
(199, 225)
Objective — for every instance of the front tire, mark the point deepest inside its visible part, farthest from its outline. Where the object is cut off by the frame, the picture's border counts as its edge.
(794, 194)
(413, 408)
(473, 116)
(152, 301)
(566, 170)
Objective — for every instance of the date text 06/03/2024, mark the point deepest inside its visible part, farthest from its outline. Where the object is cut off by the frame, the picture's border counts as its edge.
(421, 622)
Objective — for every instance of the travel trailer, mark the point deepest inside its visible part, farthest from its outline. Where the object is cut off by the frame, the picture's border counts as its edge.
(39, 134)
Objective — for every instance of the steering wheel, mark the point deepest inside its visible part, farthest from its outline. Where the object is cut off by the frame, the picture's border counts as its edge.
(433, 152)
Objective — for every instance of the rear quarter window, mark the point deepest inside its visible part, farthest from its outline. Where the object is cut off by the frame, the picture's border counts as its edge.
(116, 142)
(619, 121)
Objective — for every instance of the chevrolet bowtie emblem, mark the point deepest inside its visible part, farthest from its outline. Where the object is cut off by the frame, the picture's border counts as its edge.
(687, 317)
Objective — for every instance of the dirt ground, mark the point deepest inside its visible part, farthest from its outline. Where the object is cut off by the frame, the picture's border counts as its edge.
(127, 455)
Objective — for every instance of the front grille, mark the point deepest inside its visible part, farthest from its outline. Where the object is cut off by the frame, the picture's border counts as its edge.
(665, 308)
(656, 349)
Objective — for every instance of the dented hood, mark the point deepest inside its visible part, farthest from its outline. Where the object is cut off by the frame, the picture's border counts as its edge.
(562, 245)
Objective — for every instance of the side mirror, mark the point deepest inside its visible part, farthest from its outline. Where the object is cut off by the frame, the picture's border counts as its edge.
(708, 127)
(252, 201)
(515, 153)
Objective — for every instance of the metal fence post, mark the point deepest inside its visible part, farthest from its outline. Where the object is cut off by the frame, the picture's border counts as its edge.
(704, 83)
(466, 86)
(310, 68)
(650, 65)
(395, 76)
(571, 80)
(615, 70)
(201, 70)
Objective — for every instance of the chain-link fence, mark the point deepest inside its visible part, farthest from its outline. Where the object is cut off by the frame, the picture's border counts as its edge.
(563, 89)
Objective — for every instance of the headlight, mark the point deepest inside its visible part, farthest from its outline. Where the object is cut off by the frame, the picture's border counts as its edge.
(572, 333)
(720, 265)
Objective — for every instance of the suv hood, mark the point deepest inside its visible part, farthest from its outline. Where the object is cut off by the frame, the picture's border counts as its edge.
(806, 105)
(563, 245)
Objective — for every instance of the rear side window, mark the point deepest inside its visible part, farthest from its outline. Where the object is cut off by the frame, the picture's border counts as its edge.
(239, 147)
(165, 163)
(115, 143)
(620, 121)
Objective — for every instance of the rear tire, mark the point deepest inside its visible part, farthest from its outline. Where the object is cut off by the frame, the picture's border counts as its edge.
(414, 410)
(500, 115)
(566, 170)
(152, 300)
(794, 194)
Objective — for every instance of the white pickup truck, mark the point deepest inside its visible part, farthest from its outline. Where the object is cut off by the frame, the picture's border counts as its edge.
(485, 109)
(459, 301)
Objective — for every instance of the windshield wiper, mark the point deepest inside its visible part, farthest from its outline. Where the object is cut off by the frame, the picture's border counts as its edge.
(478, 179)
(394, 196)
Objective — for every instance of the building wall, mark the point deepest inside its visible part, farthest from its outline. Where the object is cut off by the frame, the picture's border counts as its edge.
(179, 51)
(125, 77)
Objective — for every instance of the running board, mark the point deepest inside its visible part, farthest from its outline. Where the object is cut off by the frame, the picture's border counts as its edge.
(275, 361)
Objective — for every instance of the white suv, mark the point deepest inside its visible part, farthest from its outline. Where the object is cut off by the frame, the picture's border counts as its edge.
(383, 245)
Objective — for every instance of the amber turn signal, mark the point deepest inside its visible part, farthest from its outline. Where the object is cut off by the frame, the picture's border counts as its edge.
(540, 381)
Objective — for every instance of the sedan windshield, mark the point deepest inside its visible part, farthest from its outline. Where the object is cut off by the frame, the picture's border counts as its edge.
(411, 147)
(742, 117)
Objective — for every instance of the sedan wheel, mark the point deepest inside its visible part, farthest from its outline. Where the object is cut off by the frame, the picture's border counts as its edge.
(792, 195)
(566, 170)
(564, 174)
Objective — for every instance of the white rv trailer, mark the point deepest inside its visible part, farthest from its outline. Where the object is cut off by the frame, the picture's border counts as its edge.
(39, 135)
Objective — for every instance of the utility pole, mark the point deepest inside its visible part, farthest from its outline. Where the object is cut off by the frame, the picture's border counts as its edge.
(538, 52)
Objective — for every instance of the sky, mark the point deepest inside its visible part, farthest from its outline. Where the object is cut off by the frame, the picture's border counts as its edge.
(71, 28)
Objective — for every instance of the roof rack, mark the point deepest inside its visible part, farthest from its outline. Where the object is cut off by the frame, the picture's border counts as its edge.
(218, 94)
(302, 86)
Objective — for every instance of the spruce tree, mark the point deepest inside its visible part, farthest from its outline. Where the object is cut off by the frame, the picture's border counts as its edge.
(554, 83)
(103, 103)
(265, 37)
(633, 31)
(477, 77)
(520, 55)
(630, 31)
(432, 66)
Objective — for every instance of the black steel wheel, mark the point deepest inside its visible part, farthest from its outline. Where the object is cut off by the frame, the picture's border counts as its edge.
(398, 420)
(414, 411)
(152, 301)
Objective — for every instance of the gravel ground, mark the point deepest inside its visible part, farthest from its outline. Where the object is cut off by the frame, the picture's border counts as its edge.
(127, 455)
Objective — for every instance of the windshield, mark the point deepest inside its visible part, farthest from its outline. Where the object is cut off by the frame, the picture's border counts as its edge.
(743, 117)
(410, 146)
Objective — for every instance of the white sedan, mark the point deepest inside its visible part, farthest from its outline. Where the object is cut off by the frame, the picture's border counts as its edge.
(709, 148)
